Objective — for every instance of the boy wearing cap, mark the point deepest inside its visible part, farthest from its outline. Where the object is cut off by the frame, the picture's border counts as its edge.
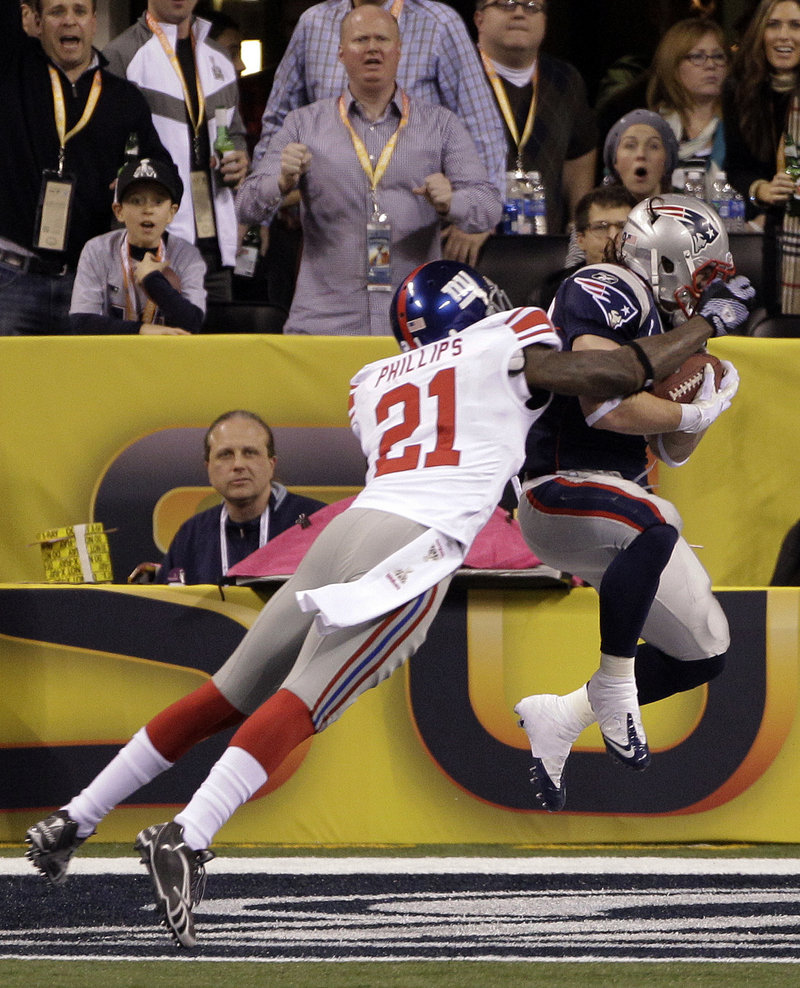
(140, 279)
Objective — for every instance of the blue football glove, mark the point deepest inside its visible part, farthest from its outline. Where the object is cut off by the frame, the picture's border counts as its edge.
(726, 304)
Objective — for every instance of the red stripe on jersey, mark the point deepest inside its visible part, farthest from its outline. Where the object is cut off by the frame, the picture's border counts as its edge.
(586, 512)
(529, 322)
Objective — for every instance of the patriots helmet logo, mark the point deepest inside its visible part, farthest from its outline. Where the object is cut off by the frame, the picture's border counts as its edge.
(701, 230)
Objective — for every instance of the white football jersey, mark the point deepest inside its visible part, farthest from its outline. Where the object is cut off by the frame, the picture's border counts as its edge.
(443, 427)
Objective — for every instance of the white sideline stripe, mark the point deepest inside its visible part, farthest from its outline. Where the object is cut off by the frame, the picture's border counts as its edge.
(439, 866)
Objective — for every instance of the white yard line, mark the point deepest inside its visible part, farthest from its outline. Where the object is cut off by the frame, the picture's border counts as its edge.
(440, 866)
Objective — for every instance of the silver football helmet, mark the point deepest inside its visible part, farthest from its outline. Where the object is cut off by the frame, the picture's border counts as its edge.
(678, 244)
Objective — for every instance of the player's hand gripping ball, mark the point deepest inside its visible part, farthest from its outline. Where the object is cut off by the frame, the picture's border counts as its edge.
(682, 386)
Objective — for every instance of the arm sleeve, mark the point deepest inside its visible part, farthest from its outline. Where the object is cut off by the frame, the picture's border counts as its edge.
(258, 199)
(476, 205)
(583, 136)
(742, 167)
(465, 90)
(288, 90)
(91, 324)
(150, 144)
(12, 37)
(115, 61)
(175, 309)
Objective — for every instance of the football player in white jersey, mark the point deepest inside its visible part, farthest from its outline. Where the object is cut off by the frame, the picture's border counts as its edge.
(442, 426)
(586, 508)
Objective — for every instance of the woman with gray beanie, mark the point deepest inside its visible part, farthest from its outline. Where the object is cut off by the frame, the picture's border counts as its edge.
(641, 152)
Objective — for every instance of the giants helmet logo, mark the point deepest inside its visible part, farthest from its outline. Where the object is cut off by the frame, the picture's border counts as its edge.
(702, 231)
(463, 290)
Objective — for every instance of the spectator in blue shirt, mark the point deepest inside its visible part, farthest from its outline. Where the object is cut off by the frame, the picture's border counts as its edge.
(240, 458)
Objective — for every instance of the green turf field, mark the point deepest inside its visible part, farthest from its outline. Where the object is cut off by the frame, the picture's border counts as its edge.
(196, 974)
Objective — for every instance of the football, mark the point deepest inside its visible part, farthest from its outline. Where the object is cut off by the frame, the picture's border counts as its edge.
(684, 383)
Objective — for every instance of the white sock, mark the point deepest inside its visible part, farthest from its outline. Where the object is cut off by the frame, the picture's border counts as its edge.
(616, 665)
(231, 782)
(136, 764)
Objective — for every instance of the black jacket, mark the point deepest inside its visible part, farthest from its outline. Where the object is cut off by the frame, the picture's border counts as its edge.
(31, 145)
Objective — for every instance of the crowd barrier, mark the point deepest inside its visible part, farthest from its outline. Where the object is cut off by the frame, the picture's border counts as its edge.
(432, 755)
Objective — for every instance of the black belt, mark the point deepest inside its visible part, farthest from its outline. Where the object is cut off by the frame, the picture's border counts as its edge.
(31, 264)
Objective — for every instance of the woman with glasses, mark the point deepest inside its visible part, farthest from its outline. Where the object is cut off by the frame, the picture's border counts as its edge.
(685, 86)
(761, 110)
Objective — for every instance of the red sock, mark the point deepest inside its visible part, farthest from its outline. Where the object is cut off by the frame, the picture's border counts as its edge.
(275, 729)
(191, 719)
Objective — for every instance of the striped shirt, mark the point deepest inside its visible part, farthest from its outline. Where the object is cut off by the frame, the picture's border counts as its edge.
(439, 65)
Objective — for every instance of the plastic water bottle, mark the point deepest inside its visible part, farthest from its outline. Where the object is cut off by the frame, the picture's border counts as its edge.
(694, 184)
(536, 203)
(736, 213)
(721, 195)
(514, 219)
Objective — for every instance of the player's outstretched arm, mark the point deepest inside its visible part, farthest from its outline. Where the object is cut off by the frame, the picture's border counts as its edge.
(617, 372)
(723, 307)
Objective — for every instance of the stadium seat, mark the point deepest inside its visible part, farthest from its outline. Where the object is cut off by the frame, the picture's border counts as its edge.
(521, 264)
(243, 317)
(755, 256)
(778, 326)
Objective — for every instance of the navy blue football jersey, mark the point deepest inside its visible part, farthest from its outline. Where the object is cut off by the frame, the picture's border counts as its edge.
(599, 300)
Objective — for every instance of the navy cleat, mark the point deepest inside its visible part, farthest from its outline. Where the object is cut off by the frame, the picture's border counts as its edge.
(178, 876)
(51, 844)
(616, 706)
(550, 797)
(547, 720)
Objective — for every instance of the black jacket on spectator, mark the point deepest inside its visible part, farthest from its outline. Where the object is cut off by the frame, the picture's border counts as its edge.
(31, 145)
(742, 166)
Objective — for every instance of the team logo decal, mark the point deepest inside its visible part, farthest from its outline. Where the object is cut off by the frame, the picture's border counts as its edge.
(463, 290)
(614, 304)
(700, 227)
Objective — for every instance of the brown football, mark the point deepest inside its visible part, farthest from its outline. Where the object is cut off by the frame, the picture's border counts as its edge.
(685, 382)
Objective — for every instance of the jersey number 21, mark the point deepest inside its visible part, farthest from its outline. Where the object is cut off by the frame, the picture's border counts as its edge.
(406, 456)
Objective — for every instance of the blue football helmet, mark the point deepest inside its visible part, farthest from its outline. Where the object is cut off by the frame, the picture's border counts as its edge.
(441, 298)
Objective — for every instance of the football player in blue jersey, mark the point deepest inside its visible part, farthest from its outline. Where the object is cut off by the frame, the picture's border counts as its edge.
(586, 508)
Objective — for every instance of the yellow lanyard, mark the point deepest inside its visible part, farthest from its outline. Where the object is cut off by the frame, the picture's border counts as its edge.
(149, 311)
(505, 106)
(155, 27)
(396, 9)
(376, 174)
(61, 111)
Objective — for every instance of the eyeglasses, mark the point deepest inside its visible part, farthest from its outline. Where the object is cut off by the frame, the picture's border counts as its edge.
(528, 6)
(699, 58)
(601, 226)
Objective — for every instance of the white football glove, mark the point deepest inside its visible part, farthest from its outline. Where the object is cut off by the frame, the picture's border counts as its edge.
(708, 404)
